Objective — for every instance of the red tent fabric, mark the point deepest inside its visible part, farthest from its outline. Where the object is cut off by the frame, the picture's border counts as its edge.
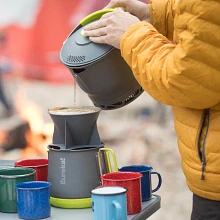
(34, 51)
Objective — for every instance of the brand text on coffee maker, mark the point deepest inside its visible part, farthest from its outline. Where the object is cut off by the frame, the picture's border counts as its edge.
(63, 171)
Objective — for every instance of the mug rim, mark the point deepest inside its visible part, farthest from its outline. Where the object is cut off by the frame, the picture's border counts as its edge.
(45, 185)
(16, 163)
(17, 175)
(109, 194)
(136, 166)
(107, 176)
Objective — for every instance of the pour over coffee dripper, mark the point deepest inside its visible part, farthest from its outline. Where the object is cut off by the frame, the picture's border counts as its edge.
(74, 161)
(75, 126)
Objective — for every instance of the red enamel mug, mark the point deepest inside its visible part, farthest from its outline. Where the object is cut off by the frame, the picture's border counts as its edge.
(132, 182)
(40, 165)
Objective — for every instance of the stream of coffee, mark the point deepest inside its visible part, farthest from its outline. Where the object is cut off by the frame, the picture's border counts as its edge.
(74, 95)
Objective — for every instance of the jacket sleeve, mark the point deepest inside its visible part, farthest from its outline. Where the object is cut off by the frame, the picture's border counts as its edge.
(186, 74)
(162, 13)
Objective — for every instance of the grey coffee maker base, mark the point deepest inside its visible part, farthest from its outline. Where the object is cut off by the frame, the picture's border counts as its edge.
(148, 207)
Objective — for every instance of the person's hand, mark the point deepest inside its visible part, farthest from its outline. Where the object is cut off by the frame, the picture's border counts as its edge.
(110, 28)
(134, 7)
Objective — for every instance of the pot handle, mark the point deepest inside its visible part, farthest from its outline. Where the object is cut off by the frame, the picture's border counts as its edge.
(109, 151)
(104, 162)
(95, 16)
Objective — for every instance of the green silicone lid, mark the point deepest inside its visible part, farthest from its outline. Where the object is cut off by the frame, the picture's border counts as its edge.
(95, 16)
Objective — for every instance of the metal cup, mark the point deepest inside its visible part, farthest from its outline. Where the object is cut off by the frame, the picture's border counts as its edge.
(8, 178)
(73, 173)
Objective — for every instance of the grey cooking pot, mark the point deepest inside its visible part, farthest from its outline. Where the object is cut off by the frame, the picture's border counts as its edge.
(74, 173)
(99, 69)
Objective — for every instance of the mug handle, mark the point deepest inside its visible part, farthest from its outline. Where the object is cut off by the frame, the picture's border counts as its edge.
(159, 183)
(118, 210)
(108, 150)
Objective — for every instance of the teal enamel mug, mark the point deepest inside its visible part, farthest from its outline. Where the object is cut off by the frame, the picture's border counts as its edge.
(8, 179)
(109, 203)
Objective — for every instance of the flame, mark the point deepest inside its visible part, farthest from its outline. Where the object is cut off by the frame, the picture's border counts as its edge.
(40, 133)
(3, 136)
(30, 112)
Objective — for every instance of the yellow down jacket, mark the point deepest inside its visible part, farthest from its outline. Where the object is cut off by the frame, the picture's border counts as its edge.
(176, 59)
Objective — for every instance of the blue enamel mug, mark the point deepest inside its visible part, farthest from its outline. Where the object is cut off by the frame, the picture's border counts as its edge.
(146, 185)
(33, 199)
(109, 203)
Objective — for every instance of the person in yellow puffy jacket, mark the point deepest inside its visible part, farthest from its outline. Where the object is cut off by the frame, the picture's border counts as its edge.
(173, 49)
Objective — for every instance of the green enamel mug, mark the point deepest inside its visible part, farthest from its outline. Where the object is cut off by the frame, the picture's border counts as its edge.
(8, 178)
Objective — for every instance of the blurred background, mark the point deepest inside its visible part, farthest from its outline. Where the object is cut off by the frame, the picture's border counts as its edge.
(32, 79)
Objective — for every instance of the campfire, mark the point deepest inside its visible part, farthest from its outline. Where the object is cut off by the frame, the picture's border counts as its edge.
(25, 131)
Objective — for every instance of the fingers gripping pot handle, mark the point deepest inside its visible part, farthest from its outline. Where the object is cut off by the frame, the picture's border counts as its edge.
(90, 18)
(94, 16)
